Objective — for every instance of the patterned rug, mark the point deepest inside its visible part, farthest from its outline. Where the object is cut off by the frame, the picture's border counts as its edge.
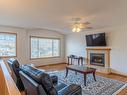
(103, 86)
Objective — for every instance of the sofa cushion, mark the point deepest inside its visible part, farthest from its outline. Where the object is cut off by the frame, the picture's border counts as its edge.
(54, 79)
(33, 72)
(14, 66)
(14, 62)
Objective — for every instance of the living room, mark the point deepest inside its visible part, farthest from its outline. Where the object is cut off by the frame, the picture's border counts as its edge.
(50, 26)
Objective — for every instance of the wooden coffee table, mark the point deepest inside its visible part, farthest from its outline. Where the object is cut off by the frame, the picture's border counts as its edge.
(81, 69)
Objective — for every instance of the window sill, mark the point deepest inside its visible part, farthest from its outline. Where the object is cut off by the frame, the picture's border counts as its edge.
(7, 56)
(45, 58)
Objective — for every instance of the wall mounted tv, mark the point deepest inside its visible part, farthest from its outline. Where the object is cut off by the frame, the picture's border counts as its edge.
(96, 39)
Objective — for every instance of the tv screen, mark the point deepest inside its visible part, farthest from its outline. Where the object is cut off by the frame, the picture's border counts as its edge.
(96, 39)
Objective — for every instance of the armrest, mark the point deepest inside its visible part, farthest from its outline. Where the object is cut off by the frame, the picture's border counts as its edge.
(72, 89)
(54, 79)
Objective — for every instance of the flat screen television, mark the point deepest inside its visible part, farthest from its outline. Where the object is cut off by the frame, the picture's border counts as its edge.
(96, 39)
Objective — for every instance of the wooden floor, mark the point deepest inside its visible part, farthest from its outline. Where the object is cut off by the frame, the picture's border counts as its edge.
(112, 76)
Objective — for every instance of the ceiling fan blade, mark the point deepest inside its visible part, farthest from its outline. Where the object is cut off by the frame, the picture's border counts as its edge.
(89, 28)
(86, 23)
(78, 23)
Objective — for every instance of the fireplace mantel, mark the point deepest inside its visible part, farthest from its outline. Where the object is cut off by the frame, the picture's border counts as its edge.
(98, 49)
(106, 51)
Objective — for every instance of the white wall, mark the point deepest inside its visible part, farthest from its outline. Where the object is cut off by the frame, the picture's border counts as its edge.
(23, 45)
(116, 40)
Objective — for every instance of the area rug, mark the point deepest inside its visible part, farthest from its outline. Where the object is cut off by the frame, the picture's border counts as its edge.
(103, 86)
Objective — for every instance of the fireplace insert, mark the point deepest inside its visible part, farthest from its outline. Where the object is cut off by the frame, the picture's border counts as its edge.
(97, 59)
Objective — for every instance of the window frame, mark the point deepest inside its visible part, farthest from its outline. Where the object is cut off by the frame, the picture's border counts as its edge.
(8, 33)
(45, 38)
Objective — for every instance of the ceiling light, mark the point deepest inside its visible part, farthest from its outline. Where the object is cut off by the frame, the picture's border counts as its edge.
(78, 25)
(76, 28)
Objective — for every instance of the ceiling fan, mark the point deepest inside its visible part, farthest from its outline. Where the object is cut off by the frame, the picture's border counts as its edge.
(78, 25)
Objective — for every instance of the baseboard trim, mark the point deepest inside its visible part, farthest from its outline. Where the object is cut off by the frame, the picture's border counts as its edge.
(118, 74)
(50, 64)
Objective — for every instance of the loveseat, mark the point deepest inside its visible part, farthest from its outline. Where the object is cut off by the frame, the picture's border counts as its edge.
(38, 82)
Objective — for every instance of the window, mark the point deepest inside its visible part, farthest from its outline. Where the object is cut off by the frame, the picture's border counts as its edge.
(7, 44)
(44, 47)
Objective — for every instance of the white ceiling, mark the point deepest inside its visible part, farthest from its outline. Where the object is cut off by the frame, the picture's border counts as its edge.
(56, 14)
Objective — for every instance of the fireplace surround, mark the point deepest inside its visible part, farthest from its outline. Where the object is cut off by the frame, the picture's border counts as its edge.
(99, 58)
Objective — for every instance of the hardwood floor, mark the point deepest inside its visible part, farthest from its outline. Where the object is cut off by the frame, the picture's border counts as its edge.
(112, 76)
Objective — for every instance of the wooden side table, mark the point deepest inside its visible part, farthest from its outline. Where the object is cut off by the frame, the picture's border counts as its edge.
(80, 60)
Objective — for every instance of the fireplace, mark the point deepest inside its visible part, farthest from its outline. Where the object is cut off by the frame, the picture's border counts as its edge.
(97, 59)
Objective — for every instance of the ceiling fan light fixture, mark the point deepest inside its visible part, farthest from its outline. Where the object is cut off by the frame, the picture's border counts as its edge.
(78, 25)
(76, 29)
